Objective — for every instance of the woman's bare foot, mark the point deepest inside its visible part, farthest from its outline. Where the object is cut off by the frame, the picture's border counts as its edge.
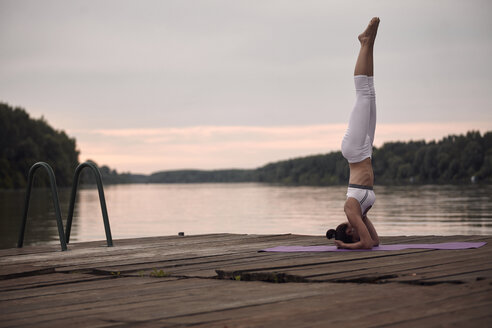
(369, 35)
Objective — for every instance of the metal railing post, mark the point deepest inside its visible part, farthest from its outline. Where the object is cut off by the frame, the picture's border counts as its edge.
(56, 203)
(102, 200)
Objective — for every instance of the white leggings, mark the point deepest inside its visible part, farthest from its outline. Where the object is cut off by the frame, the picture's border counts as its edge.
(358, 140)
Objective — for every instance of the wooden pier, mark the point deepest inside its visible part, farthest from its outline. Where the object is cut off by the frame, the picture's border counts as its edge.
(221, 280)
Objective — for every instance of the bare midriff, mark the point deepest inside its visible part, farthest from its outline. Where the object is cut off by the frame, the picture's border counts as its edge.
(361, 173)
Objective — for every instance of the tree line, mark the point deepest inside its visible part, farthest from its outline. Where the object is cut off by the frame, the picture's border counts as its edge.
(25, 141)
(454, 159)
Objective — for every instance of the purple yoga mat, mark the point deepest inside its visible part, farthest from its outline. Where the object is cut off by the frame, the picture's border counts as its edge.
(396, 247)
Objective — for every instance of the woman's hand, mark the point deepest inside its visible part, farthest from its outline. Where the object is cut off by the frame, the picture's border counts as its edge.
(340, 244)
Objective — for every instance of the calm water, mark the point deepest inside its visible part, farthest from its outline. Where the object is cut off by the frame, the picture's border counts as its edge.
(166, 209)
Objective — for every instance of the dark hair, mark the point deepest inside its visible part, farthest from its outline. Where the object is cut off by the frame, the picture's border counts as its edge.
(340, 234)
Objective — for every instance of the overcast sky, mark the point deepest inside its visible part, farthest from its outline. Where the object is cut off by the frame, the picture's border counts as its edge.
(150, 85)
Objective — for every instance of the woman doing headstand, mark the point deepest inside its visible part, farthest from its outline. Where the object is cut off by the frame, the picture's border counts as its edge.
(359, 232)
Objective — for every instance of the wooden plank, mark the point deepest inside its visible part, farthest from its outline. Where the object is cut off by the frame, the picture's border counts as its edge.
(45, 280)
(76, 288)
(9, 272)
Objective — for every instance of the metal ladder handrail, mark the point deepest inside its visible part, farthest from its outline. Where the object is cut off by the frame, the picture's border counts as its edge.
(56, 203)
(102, 200)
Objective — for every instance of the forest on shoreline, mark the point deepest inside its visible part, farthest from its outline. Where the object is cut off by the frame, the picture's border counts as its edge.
(455, 159)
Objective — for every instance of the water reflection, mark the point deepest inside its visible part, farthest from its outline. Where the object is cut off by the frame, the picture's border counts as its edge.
(41, 224)
(160, 209)
(440, 210)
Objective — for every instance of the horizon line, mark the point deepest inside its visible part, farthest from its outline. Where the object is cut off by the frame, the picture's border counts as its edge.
(207, 148)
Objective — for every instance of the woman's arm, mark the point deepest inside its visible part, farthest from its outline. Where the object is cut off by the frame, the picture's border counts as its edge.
(372, 230)
(354, 216)
(357, 245)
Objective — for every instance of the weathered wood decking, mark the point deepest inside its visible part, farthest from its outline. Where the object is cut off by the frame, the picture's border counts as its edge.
(204, 282)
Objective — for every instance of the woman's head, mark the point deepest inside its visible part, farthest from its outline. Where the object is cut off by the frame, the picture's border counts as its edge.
(344, 232)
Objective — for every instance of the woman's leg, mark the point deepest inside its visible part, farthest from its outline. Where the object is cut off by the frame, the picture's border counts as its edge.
(365, 66)
(365, 62)
(358, 140)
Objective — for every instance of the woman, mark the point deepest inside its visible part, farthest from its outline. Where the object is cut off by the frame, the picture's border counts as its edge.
(359, 232)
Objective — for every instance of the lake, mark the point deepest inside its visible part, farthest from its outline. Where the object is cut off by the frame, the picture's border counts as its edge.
(141, 210)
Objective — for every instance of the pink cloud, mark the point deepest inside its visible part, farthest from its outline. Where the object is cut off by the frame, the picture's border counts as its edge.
(212, 147)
